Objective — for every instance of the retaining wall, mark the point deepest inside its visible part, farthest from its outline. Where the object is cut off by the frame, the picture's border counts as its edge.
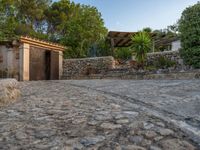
(171, 55)
(86, 66)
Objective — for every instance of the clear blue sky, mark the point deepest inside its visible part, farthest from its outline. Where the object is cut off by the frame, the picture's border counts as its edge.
(134, 15)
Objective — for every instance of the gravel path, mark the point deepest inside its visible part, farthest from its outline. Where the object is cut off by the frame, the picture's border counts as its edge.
(101, 115)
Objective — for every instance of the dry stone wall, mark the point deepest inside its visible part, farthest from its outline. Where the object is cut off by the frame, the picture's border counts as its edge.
(105, 67)
(86, 66)
(171, 55)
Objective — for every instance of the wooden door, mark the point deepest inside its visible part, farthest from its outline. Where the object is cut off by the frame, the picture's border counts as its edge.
(37, 66)
(54, 65)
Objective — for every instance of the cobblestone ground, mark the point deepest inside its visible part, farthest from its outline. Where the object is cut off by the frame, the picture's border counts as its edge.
(96, 115)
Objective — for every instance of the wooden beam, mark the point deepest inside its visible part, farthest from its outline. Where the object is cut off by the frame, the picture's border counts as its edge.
(118, 43)
(43, 44)
(125, 42)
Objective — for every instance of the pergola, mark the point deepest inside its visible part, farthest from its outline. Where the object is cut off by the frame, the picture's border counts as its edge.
(120, 39)
(123, 39)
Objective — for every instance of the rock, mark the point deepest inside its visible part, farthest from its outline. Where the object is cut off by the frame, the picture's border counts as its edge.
(160, 124)
(150, 134)
(110, 146)
(154, 148)
(165, 132)
(176, 144)
(133, 147)
(136, 124)
(42, 146)
(92, 123)
(102, 116)
(9, 91)
(79, 120)
(130, 114)
(122, 121)
(146, 142)
(73, 144)
(158, 138)
(110, 126)
(136, 139)
(115, 107)
(20, 135)
(148, 126)
(119, 116)
(44, 133)
(67, 148)
(88, 141)
(132, 132)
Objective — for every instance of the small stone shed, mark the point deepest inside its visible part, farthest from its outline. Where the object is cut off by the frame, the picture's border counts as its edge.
(28, 59)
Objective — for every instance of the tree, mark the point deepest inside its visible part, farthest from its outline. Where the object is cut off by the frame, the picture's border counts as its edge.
(22, 17)
(141, 45)
(57, 16)
(79, 27)
(189, 27)
(147, 29)
(103, 48)
(83, 29)
(173, 28)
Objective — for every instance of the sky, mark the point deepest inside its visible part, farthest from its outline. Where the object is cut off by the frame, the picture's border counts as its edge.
(134, 15)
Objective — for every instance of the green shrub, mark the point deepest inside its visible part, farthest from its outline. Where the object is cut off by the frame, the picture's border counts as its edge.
(189, 27)
(123, 53)
(192, 56)
(163, 63)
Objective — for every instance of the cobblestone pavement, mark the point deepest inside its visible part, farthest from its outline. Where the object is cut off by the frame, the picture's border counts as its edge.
(101, 115)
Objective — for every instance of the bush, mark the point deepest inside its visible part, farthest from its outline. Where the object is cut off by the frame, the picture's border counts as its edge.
(123, 53)
(190, 35)
(163, 63)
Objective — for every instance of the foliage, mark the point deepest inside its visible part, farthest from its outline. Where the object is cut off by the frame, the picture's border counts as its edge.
(141, 45)
(79, 27)
(163, 63)
(123, 53)
(189, 27)
(173, 28)
(20, 17)
(147, 29)
(103, 48)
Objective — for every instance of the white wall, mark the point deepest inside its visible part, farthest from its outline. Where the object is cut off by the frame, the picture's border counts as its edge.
(176, 45)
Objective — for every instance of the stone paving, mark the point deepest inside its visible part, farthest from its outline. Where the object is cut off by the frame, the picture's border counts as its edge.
(97, 115)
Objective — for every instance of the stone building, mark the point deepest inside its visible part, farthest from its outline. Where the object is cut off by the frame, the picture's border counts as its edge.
(30, 59)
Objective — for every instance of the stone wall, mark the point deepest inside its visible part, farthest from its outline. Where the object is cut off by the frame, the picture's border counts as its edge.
(9, 91)
(131, 75)
(171, 55)
(86, 66)
(9, 62)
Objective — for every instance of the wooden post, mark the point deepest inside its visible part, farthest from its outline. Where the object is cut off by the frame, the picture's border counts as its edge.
(112, 45)
(153, 46)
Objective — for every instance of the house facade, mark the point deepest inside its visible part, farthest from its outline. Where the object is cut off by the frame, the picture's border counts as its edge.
(30, 59)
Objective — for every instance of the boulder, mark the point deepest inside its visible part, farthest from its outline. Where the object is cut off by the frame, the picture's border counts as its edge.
(9, 91)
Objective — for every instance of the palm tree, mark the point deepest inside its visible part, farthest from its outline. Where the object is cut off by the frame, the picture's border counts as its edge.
(141, 45)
